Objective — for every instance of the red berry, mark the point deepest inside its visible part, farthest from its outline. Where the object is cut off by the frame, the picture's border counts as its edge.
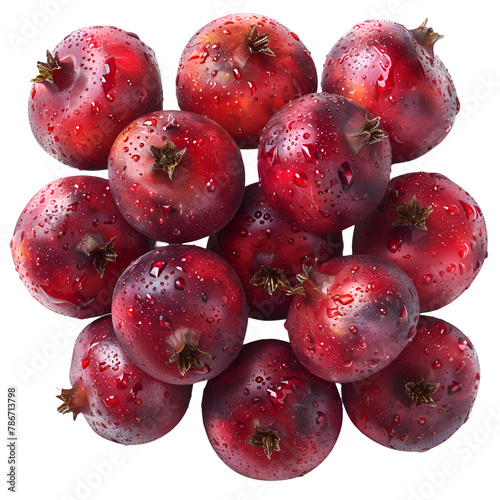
(176, 176)
(433, 230)
(95, 82)
(119, 401)
(71, 244)
(424, 396)
(267, 252)
(355, 315)
(241, 69)
(267, 417)
(324, 162)
(180, 313)
(394, 74)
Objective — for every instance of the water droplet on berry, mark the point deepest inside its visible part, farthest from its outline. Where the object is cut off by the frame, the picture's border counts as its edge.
(156, 268)
(211, 185)
(278, 393)
(346, 175)
(300, 179)
(463, 250)
(110, 401)
(79, 282)
(469, 211)
(454, 387)
(344, 299)
(164, 322)
(180, 284)
(452, 209)
(437, 364)
(309, 151)
(103, 365)
(108, 79)
(427, 279)
(394, 244)
(333, 312)
(253, 88)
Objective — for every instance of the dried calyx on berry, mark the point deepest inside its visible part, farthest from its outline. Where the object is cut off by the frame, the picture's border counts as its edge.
(167, 157)
(426, 37)
(46, 69)
(74, 401)
(421, 392)
(259, 43)
(187, 358)
(273, 279)
(370, 133)
(412, 214)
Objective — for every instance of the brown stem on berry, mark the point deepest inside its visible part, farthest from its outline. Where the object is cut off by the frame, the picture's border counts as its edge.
(371, 132)
(103, 255)
(259, 43)
(46, 69)
(426, 37)
(421, 392)
(412, 214)
(167, 157)
(266, 439)
(187, 359)
(74, 400)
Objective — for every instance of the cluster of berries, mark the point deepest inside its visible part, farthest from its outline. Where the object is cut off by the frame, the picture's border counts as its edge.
(169, 313)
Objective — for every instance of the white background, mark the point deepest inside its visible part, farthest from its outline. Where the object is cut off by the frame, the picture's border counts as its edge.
(65, 459)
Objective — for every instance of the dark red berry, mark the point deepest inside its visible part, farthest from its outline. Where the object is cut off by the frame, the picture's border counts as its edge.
(71, 244)
(241, 69)
(267, 417)
(424, 396)
(354, 316)
(394, 74)
(433, 230)
(176, 176)
(267, 252)
(119, 401)
(94, 83)
(324, 162)
(180, 313)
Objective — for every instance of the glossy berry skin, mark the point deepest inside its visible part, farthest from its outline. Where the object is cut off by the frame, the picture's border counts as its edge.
(433, 230)
(424, 396)
(394, 74)
(240, 70)
(71, 244)
(180, 313)
(324, 162)
(119, 401)
(267, 252)
(176, 176)
(94, 83)
(269, 418)
(355, 315)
